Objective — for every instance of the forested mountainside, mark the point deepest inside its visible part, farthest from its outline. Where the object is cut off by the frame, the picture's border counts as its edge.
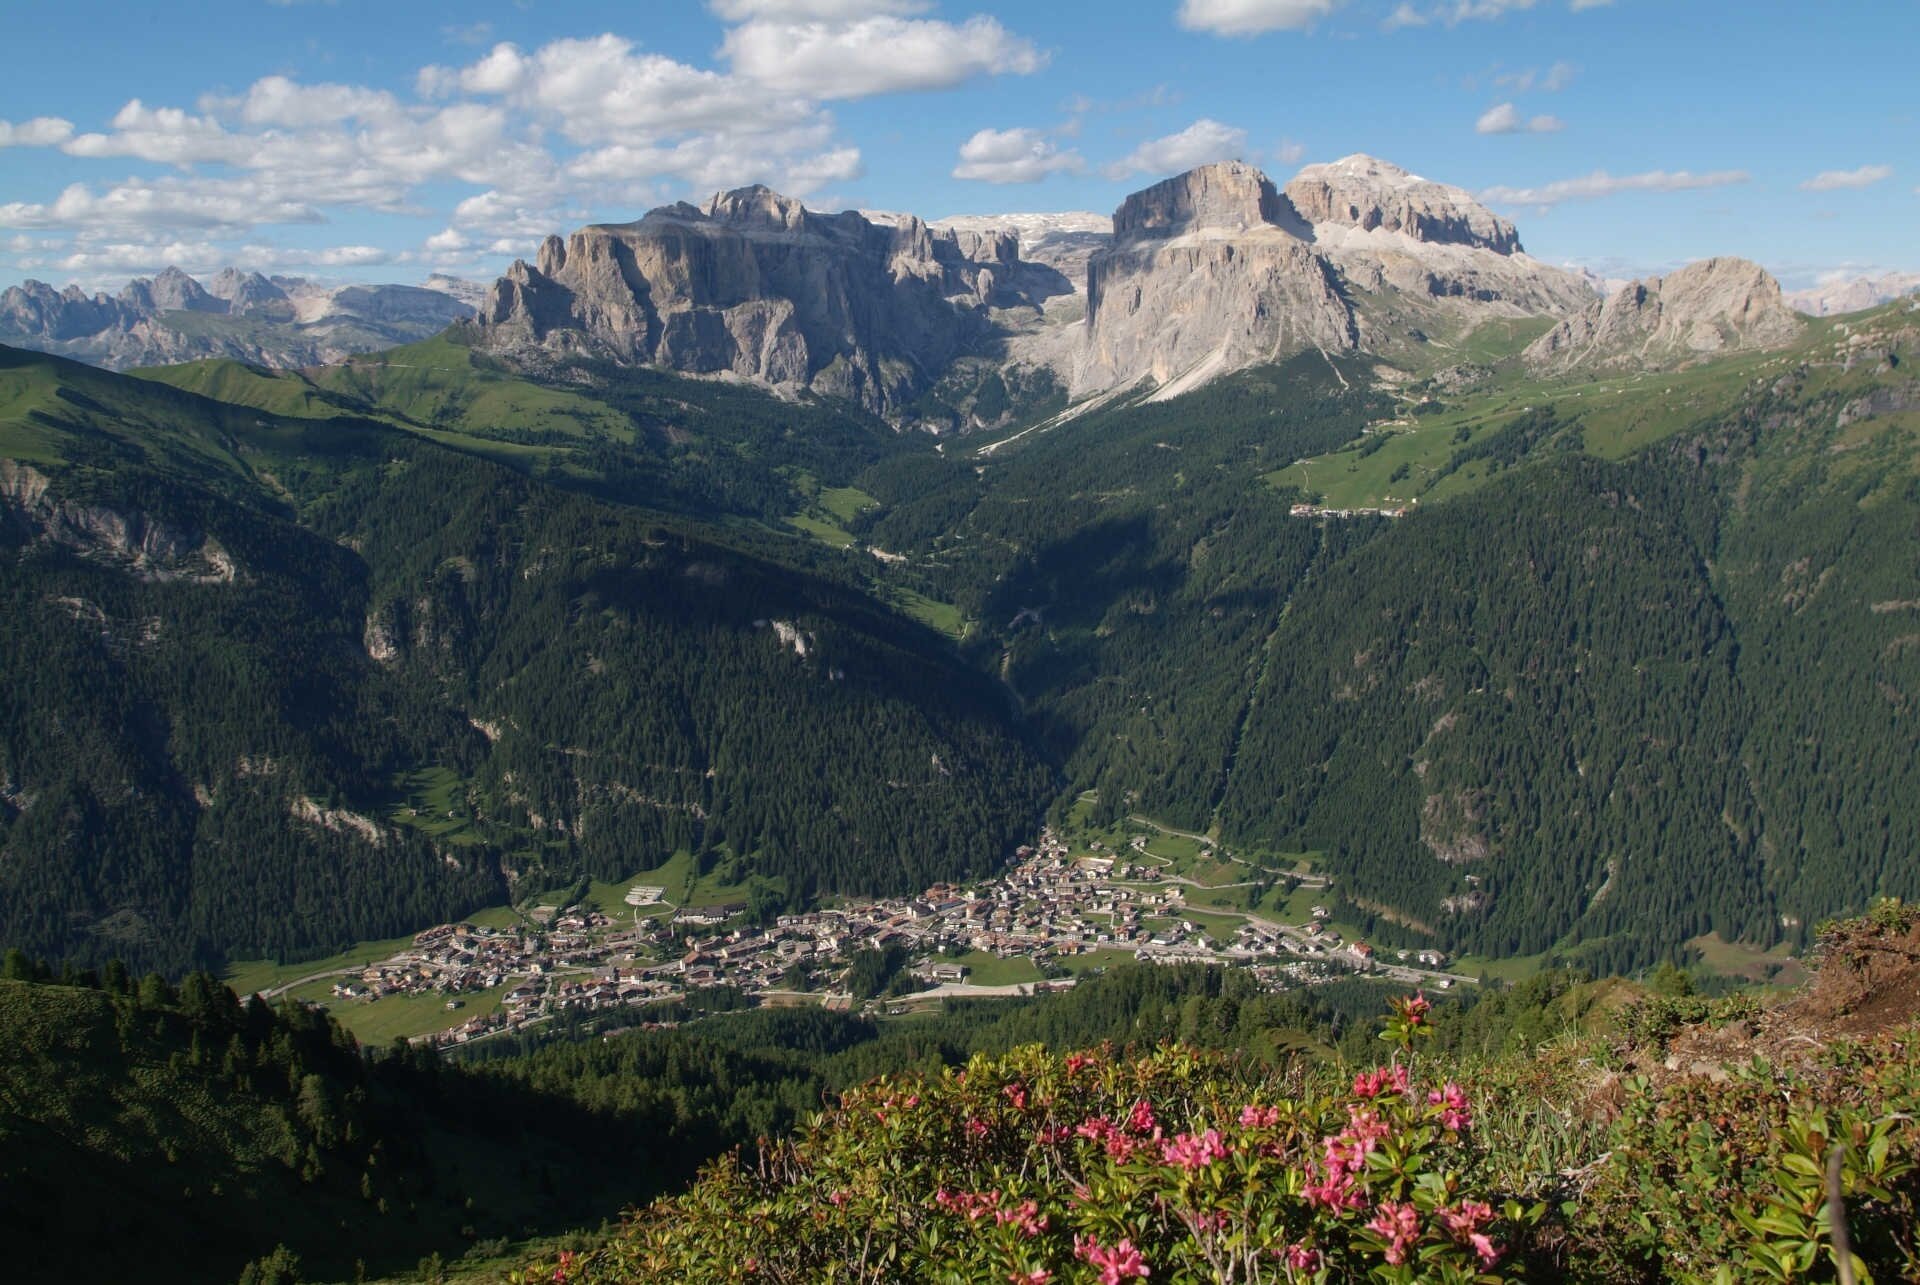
(1570, 698)
(200, 1133)
(417, 625)
(244, 650)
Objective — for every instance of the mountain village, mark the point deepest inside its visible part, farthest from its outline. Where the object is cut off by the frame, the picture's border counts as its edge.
(1051, 907)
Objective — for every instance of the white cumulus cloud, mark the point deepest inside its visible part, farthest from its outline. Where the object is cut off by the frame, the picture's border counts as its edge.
(1013, 156)
(41, 131)
(1506, 119)
(806, 10)
(168, 203)
(882, 54)
(1602, 184)
(1204, 141)
(1251, 17)
(1847, 180)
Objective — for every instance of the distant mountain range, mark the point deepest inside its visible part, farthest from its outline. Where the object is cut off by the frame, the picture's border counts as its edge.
(975, 322)
(268, 321)
(1852, 294)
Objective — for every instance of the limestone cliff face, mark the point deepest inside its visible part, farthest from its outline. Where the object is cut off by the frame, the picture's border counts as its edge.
(1216, 270)
(1207, 273)
(148, 547)
(755, 285)
(1429, 254)
(1716, 305)
(1195, 277)
(1366, 193)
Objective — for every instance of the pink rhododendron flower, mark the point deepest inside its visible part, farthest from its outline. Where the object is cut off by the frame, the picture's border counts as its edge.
(1141, 1118)
(1384, 1079)
(1190, 1151)
(1470, 1217)
(1017, 1094)
(1026, 1216)
(1456, 1114)
(1302, 1259)
(1038, 1276)
(1118, 1264)
(1258, 1117)
(1399, 1226)
(1336, 1190)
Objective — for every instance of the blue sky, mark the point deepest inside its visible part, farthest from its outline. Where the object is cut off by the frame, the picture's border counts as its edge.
(383, 141)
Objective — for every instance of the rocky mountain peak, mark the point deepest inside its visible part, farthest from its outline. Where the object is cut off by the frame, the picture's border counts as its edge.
(247, 292)
(1367, 193)
(756, 206)
(1229, 196)
(754, 285)
(175, 291)
(1715, 305)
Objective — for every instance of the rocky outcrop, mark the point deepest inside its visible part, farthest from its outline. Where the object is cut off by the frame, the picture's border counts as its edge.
(250, 294)
(1428, 256)
(1061, 242)
(150, 548)
(754, 285)
(1714, 306)
(1207, 273)
(1216, 270)
(268, 321)
(1367, 193)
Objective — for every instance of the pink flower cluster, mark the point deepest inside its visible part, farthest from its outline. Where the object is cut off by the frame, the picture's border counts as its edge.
(1302, 1258)
(1118, 1264)
(1016, 1093)
(1455, 1112)
(1025, 1216)
(1259, 1117)
(1399, 1226)
(1465, 1224)
(970, 1205)
(1343, 1157)
(1119, 1145)
(1382, 1079)
(1194, 1151)
(976, 1205)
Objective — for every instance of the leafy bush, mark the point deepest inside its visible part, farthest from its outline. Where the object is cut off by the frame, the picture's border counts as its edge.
(1031, 1168)
(1177, 1165)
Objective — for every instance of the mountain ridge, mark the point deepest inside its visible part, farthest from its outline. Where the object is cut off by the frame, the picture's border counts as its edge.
(172, 317)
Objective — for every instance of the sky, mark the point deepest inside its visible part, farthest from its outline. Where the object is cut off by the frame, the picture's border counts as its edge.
(348, 140)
